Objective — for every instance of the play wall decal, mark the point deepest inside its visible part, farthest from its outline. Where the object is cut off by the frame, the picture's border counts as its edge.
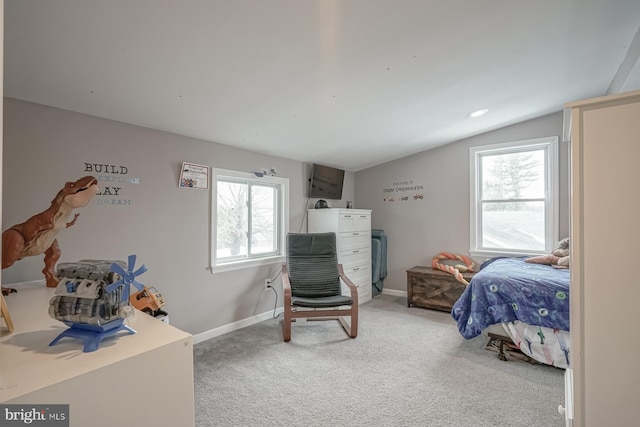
(114, 181)
(403, 191)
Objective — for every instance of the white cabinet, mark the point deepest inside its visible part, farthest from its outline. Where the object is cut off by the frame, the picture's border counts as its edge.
(142, 379)
(605, 148)
(353, 237)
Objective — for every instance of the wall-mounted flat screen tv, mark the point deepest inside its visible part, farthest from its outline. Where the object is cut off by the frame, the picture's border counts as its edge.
(326, 182)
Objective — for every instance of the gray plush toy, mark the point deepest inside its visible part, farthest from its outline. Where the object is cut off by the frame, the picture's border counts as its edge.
(562, 251)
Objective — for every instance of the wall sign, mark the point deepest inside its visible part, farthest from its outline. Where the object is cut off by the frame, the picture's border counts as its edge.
(113, 181)
(194, 176)
(403, 191)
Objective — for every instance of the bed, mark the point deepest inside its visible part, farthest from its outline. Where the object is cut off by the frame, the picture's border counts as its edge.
(530, 301)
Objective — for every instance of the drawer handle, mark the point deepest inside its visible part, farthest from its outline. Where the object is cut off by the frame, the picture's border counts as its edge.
(355, 234)
(356, 251)
(347, 216)
(356, 268)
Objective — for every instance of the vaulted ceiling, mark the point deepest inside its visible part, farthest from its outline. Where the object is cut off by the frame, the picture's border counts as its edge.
(347, 83)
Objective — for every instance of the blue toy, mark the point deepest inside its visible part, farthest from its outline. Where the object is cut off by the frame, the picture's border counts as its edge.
(92, 298)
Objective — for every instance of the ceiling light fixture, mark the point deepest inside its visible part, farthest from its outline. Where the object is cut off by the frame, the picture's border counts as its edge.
(478, 113)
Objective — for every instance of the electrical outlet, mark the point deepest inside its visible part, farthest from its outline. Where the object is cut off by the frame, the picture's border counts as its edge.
(267, 283)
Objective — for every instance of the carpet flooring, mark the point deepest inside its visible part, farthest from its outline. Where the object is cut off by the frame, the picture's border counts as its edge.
(407, 367)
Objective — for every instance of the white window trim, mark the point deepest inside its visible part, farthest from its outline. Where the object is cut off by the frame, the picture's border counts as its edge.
(552, 213)
(283, 226)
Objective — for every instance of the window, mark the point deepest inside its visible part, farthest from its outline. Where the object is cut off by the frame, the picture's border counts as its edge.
(514, 202)
(249, 219)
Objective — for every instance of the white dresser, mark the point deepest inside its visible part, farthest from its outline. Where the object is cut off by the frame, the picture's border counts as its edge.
(353, 237)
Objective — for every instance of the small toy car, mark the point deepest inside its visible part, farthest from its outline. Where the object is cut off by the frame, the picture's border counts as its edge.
(148, 300)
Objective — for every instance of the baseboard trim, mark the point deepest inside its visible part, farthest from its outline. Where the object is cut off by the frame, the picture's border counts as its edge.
(230, 327)
(394, 292)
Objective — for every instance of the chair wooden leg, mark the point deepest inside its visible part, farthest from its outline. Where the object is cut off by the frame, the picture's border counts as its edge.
(350, 325)
(286, 326)
(346, 325)
(354, 321)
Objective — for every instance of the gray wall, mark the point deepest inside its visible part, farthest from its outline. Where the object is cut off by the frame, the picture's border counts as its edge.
(168, 228)
(419, 229)
(165, 226)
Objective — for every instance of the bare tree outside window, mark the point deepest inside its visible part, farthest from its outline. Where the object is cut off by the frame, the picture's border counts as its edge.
(508, 176)
(245, 209)
(263, 219)
(248, 219)
(232, 217)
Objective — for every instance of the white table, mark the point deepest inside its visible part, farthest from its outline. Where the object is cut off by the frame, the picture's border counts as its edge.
(140, 379)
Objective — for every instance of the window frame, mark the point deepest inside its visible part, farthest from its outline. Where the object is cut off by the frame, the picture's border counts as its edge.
(551, 199)
(282, 219)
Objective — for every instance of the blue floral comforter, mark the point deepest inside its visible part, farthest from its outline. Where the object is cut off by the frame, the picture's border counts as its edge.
(508, 289)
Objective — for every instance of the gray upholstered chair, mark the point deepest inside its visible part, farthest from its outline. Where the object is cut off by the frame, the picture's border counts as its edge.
(378, 260)
(311, 283)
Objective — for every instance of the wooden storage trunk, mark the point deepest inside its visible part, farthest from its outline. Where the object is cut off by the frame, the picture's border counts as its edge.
(434, 289)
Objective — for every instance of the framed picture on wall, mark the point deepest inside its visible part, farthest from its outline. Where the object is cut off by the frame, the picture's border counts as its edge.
(194, 176)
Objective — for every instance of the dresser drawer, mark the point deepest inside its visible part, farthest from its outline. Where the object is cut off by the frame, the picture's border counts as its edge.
(355, 256)
(358, 273)
(354, 222)
(354, 240)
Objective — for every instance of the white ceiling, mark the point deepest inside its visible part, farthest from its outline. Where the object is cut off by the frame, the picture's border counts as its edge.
(348, 83)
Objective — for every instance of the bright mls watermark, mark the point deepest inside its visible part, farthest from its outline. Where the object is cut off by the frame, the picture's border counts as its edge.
(34, 415)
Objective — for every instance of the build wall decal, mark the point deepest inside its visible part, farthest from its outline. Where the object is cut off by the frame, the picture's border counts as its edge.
(114, 181)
